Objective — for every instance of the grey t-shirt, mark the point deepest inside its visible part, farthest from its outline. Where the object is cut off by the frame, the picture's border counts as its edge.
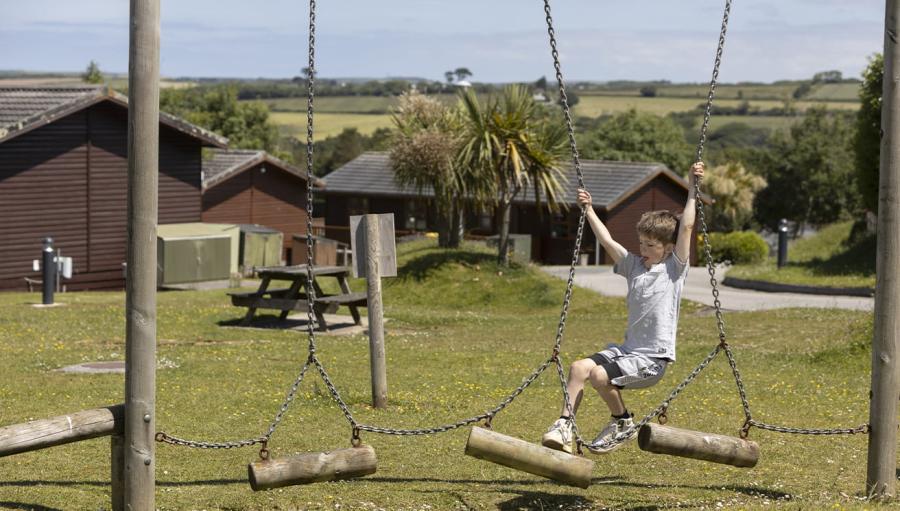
(654, 299)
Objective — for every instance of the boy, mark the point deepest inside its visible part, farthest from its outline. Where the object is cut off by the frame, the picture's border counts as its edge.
(655, 280)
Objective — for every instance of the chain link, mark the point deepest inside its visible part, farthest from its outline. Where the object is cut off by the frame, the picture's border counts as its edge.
(554, 358)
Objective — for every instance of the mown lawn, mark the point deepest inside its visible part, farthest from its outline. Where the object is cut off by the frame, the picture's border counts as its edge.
(460, 337)
(823, 259)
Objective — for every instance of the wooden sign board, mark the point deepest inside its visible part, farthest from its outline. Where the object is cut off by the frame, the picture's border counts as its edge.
(387, 248)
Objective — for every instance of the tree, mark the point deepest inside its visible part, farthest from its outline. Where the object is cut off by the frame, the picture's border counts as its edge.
(334, 151)
(462, 73)
(245, 124)
(832, 76)
(810, 172)
(92, 74)
(733, 187)
(648, 91)
(423, 155)
(867, 142)
(511, 144)
(448, 75)
(638, 136)
(307, 74)
(541, 83)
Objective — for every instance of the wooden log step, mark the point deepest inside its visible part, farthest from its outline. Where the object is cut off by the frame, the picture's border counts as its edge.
(701, 446)
(534, 459)
(65, 429)
(312, 468)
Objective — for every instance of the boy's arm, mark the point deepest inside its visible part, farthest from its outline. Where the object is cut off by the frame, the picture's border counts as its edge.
(686, 225)
(612, 247)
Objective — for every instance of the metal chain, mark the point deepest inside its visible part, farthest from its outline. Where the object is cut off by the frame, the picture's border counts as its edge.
(554, 358)
(487, 416)
(576, 162)
(169, 439)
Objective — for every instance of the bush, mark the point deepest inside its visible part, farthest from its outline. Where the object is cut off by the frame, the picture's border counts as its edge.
(744, 247)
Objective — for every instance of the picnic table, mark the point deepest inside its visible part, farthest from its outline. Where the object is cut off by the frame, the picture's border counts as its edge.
(294, 298)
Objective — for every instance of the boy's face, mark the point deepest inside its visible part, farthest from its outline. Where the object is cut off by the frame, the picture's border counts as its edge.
(653, 251)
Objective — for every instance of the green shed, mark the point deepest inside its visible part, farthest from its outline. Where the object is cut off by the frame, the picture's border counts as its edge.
(260, 246)
(196, 252)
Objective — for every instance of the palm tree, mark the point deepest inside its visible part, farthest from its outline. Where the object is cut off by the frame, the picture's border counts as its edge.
(510, 144)
(423, 155)
(733, 187)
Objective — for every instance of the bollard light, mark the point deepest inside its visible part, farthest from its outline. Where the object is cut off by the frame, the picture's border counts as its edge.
(782, 242)
(48, 272)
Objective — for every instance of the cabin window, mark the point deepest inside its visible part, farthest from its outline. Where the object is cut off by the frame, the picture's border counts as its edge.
(357, 206)
(416, 218)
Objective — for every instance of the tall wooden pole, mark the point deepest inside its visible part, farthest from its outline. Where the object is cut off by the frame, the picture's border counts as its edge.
(140, 294)
(882, 462)
(376, 311)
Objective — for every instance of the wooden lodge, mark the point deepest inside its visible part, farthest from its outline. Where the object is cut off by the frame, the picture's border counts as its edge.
(622, 191)
(64, 174)
(254, 187)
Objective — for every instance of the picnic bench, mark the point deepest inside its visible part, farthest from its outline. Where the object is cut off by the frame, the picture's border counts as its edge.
(295, 297)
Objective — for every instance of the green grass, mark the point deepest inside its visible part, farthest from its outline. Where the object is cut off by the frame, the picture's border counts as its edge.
(824, 259)
(336, 104)
(835, 92)
(460, 337)
(293, 124)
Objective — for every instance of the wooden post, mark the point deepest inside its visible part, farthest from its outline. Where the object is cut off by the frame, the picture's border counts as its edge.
(60, 430)
(376, 313)
(881, 475)
(312, 468)
(117, 472)
(534, 459)
(140, 294)
(700, 446)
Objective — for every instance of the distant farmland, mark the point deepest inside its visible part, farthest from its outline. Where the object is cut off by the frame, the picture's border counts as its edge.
(368, 113)
(293, 124)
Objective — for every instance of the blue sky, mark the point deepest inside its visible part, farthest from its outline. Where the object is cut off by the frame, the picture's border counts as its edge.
(499, 40)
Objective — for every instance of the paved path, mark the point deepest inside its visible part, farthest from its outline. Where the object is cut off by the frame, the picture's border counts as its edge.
(697, 288)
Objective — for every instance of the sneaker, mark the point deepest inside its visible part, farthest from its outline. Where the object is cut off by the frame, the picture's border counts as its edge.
(613, 436)
(559, 436)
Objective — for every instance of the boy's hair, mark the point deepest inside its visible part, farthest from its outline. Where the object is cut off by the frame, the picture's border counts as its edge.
(659, 225)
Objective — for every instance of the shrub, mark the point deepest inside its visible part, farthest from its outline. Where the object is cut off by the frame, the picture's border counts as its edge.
(744, 247)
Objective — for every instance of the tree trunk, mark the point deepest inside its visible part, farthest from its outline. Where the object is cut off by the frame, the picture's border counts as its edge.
(503, 256)
(443, 228)
(457, 229)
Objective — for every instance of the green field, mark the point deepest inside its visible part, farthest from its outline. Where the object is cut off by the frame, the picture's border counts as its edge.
(367, 113)
(336, 104)
(461, 336)
(835, 92)
(328, 124)
(595, 106)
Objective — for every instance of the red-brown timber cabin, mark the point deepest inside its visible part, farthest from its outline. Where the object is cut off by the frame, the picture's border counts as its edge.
(622, 191)
(64, 174)
(254, 187)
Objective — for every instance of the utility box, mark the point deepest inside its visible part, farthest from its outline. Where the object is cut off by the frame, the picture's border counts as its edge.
(196, 252)
(327, 252)
(260, 246)
(519, 246)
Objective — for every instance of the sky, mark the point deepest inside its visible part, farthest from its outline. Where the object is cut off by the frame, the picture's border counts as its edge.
(498, 40)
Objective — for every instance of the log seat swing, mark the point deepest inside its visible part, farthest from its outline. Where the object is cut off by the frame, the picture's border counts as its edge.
(484, 443)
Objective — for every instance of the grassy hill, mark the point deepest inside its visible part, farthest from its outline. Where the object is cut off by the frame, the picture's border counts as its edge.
(461, 335)
(827, 258)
